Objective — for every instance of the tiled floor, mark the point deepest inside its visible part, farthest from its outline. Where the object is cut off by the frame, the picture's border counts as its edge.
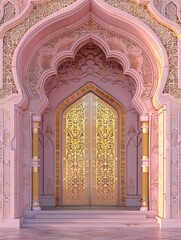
(90, 234)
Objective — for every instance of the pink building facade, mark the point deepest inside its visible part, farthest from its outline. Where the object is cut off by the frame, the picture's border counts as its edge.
(127, 54)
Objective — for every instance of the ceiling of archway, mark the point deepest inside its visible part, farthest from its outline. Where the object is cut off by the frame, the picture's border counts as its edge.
(90, 61)
(138, 59)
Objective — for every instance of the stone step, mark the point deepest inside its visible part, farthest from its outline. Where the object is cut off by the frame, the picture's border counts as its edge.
(89, 218)
(83, 220)
(91, 224)
(140, 214)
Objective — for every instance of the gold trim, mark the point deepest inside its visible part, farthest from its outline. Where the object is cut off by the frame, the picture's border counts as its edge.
(144, 124)
(145, 169)
(35, 169)
(35, 183)
(35, 130)
(145, 189)
(107, 98)
(145, 130)
(35, 145)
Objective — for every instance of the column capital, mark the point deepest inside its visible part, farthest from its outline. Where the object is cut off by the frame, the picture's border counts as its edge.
(36, 118)
(144, 118)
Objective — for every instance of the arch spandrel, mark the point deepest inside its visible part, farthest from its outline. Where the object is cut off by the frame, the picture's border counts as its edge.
(88, 8)
(138, 7)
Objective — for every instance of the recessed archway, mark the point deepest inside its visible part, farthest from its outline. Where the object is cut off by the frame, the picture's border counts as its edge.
(106, 79)
(132, 52)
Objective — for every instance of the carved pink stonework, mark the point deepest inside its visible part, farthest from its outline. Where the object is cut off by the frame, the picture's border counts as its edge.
(90, 62)
(154, 164)
(138, 59)
(129, 49)
(1, 162)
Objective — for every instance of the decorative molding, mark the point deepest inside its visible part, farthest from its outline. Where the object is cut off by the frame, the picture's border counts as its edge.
(13, 36)
(8, 11)
(43, 58)
(6, 175)
(90, 60)
(1, 164)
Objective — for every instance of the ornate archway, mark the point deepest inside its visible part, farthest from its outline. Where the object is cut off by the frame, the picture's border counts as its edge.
(139, 56)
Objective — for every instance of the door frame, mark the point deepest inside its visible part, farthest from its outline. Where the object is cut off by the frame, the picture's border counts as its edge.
(121, 139)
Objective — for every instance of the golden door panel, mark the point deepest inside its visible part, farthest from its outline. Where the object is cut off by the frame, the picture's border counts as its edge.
(89, 169)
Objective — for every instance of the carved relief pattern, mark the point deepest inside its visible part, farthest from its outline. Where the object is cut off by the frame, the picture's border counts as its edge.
(75, 156)
(14, 35)
(174, 164)
(138, 58)
(133, 145)
(21, 4)
(167, 36)
(26, 184)
(1, 162)
(90, 60)
(175, 185)
(158, 4)
(6, 174)
(47, 146)
(9, 13)
(171, 13)
(154, 164)
(161, 139)
(91, 151)
(106, 158)
(34, 74)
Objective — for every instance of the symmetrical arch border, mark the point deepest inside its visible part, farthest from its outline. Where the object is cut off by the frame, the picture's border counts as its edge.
(120, 57)
(28, 41)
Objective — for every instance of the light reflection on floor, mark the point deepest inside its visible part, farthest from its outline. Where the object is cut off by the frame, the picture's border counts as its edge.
(90, 234)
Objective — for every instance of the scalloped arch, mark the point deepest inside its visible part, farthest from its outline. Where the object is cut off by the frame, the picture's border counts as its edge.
(123, 59)
(59, 21)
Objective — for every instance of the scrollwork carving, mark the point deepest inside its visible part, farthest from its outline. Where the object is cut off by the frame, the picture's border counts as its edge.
(90, 60)
(74, 158)
(158, 4)
(105, 154)
(167, 36)
(8, 12)
(171, 13)
(1, 162)
(6, 173)
(14, 35)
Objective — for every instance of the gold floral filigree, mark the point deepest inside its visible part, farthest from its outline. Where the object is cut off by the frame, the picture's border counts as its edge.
(105, 154)
(74, 158)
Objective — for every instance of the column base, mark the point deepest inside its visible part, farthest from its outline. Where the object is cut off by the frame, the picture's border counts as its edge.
(169, 223)
(36, 208)
(143, 208)
(11, 223)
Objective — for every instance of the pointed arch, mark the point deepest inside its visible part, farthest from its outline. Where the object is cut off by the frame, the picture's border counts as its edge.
(122, 156)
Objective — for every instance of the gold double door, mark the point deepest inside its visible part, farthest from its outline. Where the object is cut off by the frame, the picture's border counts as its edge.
(89, 153)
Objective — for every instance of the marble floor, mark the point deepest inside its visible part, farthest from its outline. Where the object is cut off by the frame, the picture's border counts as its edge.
(90, 234)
